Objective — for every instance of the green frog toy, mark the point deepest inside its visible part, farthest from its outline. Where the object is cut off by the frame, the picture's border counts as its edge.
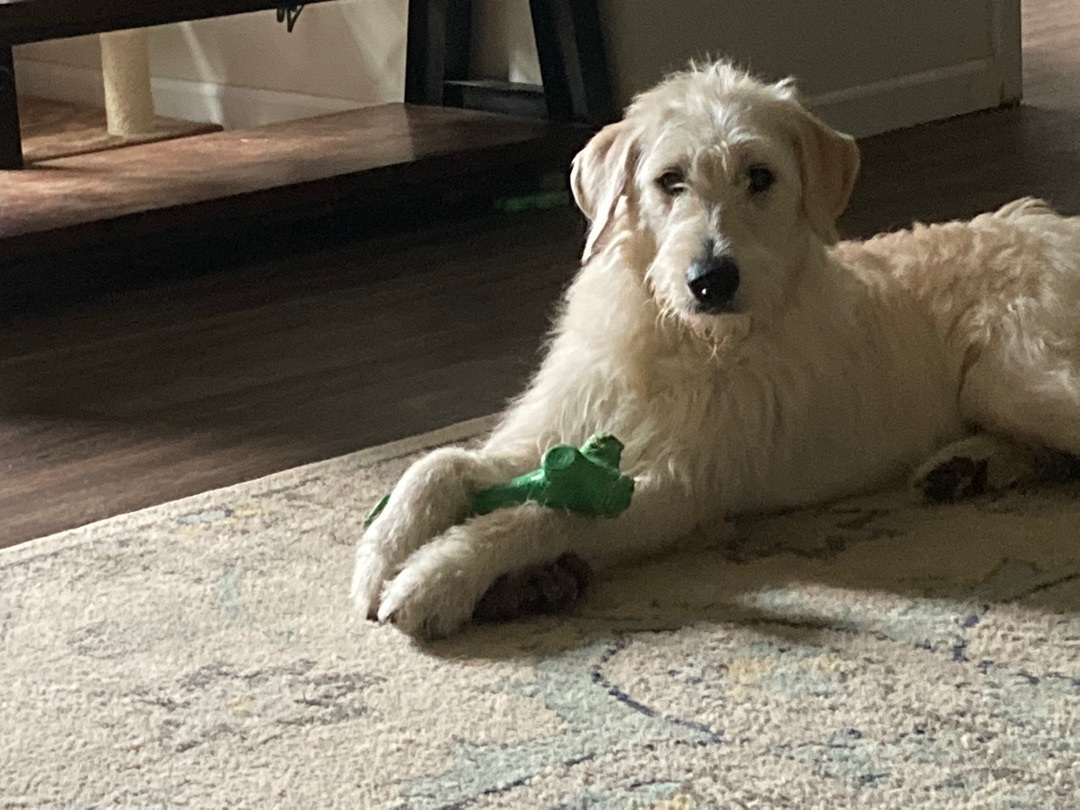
(585, 480)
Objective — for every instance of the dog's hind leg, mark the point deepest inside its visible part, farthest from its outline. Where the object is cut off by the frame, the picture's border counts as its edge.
(1027, 412)
(982, 463)
(554, 587)
(1029, 394)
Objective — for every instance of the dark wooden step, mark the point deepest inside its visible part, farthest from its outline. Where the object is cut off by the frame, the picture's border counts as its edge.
(281, 171)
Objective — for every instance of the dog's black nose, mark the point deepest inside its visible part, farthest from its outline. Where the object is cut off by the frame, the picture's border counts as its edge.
(713, 280)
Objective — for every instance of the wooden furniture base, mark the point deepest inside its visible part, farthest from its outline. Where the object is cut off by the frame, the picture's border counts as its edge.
(72, 201)
(56, 129)
(576, 84)
(364, 161)
(74, 227)
(36, 20)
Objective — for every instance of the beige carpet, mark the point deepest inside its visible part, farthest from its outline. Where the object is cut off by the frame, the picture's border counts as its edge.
(871, 653)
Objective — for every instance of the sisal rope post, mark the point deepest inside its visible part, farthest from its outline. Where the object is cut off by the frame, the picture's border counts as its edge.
(125, 64)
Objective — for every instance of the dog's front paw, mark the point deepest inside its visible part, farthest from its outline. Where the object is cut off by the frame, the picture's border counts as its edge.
(373, 567)
(433, 495)
(437, 590)
(434, 594)
(380, 553)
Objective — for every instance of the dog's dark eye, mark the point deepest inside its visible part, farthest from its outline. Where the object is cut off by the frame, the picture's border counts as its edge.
(672, 182)
(761, 179)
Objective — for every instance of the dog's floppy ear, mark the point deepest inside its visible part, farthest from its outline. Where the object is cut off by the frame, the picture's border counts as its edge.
(599, 177)
(829, 162)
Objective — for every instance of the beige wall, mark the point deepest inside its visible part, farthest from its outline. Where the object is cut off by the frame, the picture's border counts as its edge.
(503, 44)
(873, 64)
(865, 65)
(352, 50)
(829, 46)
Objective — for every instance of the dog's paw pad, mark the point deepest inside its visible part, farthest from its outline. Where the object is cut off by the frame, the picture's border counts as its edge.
(953, 480)
(556, 587)
(1063, 467)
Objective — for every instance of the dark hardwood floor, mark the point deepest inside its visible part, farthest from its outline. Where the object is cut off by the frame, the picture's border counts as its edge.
(301, 354)
(200, 383)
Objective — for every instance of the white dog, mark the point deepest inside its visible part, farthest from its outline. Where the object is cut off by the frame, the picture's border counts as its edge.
(745, 360)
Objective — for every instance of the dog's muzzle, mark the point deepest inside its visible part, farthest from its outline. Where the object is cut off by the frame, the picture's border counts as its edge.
(713, 281)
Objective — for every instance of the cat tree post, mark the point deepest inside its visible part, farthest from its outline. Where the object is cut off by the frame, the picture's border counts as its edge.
(125, 65)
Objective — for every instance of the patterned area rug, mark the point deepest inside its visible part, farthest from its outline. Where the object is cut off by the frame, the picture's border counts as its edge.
(871, 653)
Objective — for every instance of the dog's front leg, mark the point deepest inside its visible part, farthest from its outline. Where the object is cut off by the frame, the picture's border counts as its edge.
(434, 494)
(441, 583)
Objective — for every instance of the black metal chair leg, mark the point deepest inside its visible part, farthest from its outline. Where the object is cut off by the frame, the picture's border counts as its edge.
(573, 64)
(593, 75)
(569, 41)
(437, 48)
(10, 139)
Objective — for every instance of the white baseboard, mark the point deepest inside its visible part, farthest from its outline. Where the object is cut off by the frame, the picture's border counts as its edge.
(936, 93)
(229, 105)
(59, 82)
(914, 99)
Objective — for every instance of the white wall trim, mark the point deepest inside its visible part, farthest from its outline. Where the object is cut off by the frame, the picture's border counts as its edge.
(229, 105)
(915, 98)
(59, 82)
(237, 107)
(938, 93)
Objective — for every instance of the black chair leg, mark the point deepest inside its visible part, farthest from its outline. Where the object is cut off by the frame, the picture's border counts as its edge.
(573, 63)
(569, 41)
(10, 139)
(437, 48)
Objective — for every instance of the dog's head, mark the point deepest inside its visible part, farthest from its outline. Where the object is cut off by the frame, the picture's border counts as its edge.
(723, 184)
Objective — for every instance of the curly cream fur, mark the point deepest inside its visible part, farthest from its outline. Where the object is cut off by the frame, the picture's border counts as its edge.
(843, 367)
